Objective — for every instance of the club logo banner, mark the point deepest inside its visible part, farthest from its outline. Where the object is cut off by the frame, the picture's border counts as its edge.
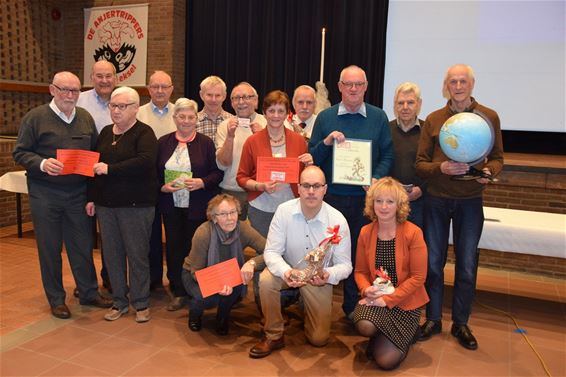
(117, 34)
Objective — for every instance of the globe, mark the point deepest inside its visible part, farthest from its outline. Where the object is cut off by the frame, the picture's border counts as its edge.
(466, 137)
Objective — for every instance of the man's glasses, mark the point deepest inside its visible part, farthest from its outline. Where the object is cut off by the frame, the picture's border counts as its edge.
(66, 91)
(350, 85)
(224, 215)
(315, 187)
(162, 87)
(120, 106)
(242, 98)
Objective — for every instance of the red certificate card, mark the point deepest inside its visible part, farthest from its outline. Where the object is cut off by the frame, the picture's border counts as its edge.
(212, 279)
(280, 169)
(77, 161)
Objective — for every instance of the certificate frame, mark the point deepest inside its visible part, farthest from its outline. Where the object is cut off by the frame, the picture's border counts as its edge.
(351, 162)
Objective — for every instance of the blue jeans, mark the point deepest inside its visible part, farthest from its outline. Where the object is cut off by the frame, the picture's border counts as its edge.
(467, 223)
(352, 207)
(417, 209)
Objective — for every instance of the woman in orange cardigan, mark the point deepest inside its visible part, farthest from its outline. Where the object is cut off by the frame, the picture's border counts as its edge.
(392, 248)
(273, 141)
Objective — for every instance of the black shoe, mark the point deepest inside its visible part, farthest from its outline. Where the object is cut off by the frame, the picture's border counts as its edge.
(222, 326)
(464, 336)
(429, 328)
(195, 323)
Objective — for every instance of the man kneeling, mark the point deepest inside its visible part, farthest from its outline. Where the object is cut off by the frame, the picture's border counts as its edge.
(298, 227)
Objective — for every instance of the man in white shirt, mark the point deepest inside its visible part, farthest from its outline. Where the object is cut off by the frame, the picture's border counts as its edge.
(95, 100)
(231, 135)
(158, 113)
(298, 226)
(304, 102)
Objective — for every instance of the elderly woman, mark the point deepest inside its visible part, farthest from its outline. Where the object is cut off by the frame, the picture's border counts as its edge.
(273, 141)
(189, 178)
(124, 192)
(394, 250)
(221, 238)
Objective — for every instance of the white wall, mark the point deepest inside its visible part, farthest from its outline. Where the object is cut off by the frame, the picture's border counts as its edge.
(515, 47)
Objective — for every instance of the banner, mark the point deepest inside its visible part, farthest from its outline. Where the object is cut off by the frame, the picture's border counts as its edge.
(117, 34)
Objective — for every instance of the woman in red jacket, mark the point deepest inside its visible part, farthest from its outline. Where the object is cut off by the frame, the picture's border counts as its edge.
(391, 264)
(273, 141)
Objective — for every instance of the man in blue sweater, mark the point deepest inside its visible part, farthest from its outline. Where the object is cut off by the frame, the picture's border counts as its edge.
(352, 118)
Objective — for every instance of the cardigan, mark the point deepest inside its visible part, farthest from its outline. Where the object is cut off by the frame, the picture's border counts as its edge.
(258, 145)
(203, 165)
(410, 264)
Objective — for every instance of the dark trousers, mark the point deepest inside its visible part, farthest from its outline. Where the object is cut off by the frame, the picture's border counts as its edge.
(197, 304)
(156, 250)
(417, 212)
(179, 231)
(467, 223)
(352, 207)
(59, 217)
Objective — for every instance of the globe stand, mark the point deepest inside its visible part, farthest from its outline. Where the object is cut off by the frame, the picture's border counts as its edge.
(472, 175)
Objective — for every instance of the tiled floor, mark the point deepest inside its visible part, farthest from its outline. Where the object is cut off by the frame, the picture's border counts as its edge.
(33, 343)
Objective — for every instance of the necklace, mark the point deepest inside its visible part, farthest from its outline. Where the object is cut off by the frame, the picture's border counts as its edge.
(115, 139)
(277, 141)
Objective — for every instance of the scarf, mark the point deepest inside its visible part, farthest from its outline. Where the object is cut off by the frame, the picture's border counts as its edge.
(219, 237)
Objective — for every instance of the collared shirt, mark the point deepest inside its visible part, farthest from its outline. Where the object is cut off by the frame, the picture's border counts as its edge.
(61, 114)
(309, 124)
(291, 236)
(361, 110)
(97, 107)
(158, 111)
(207, 126)
(407, 129)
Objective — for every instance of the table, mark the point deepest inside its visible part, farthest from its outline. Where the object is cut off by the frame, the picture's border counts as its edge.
(15, 181)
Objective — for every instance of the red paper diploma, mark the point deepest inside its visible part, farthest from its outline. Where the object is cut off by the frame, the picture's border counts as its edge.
(280, 169)
(77, 161)
(212, 279)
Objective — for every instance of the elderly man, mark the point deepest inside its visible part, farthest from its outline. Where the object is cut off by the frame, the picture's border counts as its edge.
(351, 118)
(57, 201)
(96, 100)
(213, 93)
(405, 132)
(304, 102)
(158, 114)
(299, 225)
(456, 201)
(231, 135)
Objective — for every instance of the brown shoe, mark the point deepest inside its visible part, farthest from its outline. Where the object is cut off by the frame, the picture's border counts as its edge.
(99, 302)
(265, 347)
(61, 311)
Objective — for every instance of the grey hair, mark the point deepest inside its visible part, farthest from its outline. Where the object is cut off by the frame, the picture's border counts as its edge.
(471, 76)
(245, 84)
(185, 104)
(306, 87)
(130, 92)
(352, 67)
(213, 81)
(406, 87)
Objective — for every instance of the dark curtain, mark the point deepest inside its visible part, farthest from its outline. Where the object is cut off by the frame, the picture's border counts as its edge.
(275, 44)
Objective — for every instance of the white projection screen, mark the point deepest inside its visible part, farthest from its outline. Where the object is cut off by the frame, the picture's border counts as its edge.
(515, 47)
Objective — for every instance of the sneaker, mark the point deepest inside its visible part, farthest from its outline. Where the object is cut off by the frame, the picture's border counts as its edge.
(142, 315)
(114, 313)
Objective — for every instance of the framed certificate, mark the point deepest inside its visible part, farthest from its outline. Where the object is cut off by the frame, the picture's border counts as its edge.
(351, 162)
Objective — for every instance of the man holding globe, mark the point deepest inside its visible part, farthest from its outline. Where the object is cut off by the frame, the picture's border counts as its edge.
(452, 199)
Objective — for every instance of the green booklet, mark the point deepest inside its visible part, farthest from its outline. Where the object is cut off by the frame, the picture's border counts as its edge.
(177, 177)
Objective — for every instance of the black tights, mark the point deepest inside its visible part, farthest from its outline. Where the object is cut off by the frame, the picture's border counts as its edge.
(382, 350)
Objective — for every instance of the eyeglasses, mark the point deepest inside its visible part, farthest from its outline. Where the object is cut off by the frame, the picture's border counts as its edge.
(66, 91)
(162, 87)
(350, 85)
(224, 215)
(183, 118)
(243, 98)
(315, 187)
(120, 106)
